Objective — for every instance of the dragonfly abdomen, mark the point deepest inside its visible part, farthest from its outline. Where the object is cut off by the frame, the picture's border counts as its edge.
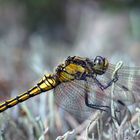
(48, 82)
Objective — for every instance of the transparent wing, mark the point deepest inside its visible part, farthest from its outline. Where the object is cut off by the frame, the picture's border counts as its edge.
(128, 83)
(125, 72)
(71, 97)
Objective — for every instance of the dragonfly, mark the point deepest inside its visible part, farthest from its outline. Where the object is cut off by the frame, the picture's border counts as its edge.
(82, 85)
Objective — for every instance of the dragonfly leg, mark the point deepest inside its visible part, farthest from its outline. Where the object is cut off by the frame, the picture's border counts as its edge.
(101, 107)
(95, 106)
(101, 86)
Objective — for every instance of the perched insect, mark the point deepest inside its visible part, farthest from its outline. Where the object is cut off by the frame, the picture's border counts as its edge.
(82, 84)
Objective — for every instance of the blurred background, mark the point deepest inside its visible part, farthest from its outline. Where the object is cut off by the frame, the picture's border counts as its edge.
(37, 35)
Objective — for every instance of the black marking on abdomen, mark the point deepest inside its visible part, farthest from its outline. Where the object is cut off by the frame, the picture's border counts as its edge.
(38, 85)
(48, 81)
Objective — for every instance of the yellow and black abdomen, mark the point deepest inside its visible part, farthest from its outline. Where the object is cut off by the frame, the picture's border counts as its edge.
(48, 82)
(63, 74)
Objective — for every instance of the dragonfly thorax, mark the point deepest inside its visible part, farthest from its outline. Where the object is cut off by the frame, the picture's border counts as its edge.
(79, 67)
(69, 72)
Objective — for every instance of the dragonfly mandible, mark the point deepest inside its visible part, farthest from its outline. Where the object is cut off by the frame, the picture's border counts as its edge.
(82, 84)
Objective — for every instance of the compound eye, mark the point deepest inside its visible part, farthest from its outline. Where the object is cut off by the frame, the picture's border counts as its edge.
(98, 60)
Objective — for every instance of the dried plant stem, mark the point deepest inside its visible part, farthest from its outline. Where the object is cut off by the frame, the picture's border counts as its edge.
(65, 136)
(36, 124)
(118, 66)
(2, 137)
(120, 128)
(138, 110)
(42, 137)
(93, 123)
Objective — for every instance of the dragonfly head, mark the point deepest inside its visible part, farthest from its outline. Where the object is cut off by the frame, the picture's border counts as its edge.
(100, 65)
